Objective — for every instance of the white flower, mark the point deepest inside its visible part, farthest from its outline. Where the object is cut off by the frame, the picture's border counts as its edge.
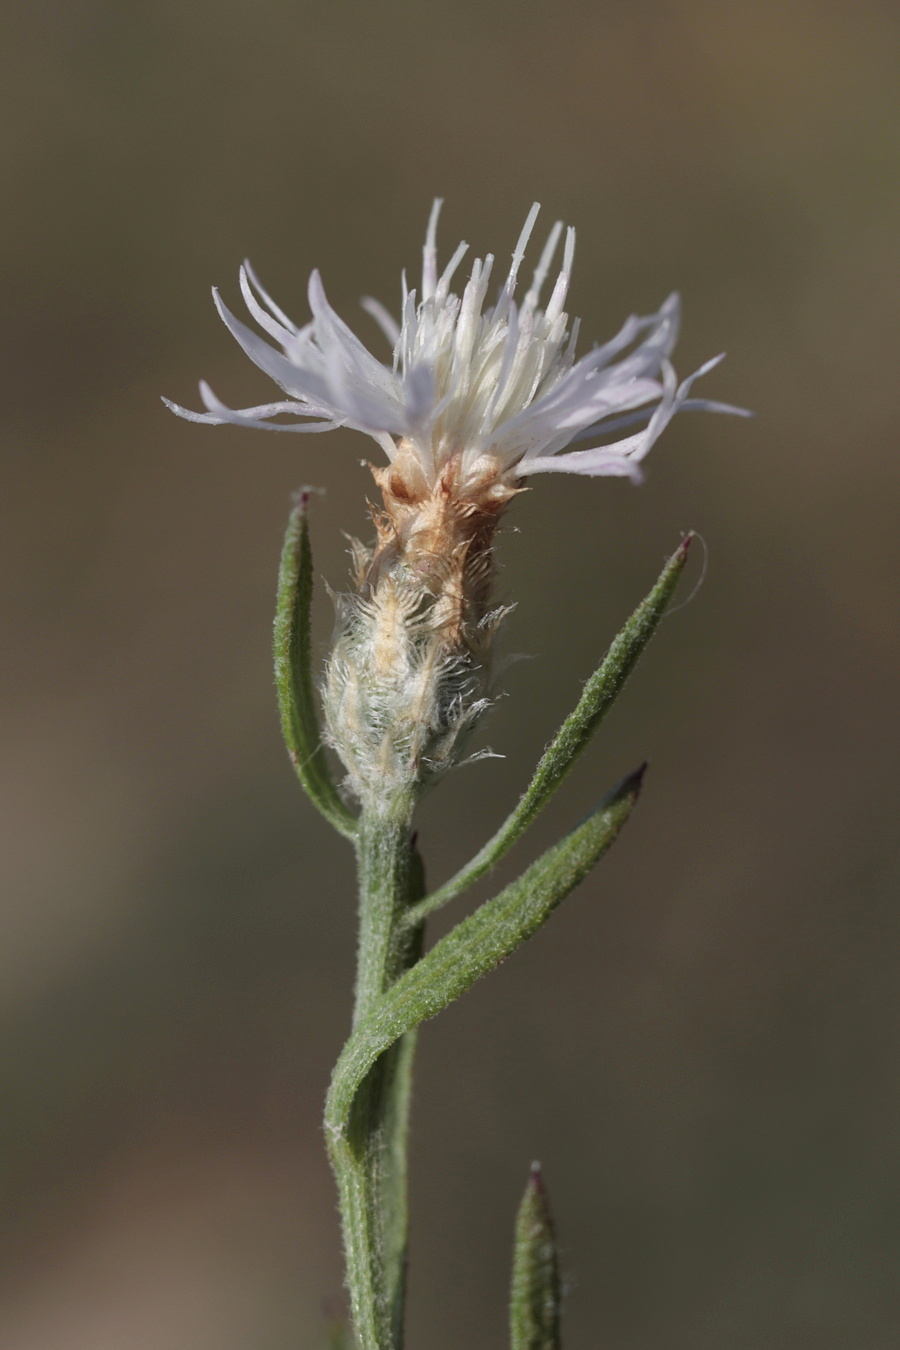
(496, 387)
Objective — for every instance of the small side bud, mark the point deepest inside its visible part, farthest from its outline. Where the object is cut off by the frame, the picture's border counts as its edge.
(536, 1295)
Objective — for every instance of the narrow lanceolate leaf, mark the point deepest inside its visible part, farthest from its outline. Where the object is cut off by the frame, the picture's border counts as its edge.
(535, 1296)
(475, 946)
(293, 673)
(599, 694)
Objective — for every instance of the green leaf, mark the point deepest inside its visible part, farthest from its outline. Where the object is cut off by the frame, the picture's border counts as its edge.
(473, 947)
(293, 673)
(536, 1295)
(599, 694)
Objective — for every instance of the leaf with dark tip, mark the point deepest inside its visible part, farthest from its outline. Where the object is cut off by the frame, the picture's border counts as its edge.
(475, 946)
(535, 1295)
(599, 694)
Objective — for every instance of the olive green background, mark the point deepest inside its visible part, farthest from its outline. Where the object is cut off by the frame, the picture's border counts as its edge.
(702, 1048)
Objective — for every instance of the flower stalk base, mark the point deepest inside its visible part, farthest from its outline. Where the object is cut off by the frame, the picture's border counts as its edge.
(370, 1157)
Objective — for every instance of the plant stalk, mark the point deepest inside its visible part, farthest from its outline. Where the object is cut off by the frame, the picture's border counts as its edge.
(370, 1159)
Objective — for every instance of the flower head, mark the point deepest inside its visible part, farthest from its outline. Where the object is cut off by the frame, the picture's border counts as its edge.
(495, 391)
(476, 398)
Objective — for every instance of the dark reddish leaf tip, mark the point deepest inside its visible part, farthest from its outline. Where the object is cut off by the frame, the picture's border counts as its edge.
(632, 783)
(300, 498)
(685, 544)
(535, 1186)
(629, 786)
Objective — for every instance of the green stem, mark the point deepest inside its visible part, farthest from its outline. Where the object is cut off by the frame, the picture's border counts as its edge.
(369, 1158)
(385, 864)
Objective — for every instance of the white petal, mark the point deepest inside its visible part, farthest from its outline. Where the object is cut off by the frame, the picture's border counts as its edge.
(467, 322)
(263, 317)
(608, 425)
(574, 404)
(267, 299)
(254, 417)
(443, 286)
(710, 405)
(383, 317)
(509, 285)
(590, 463)
(540, 272)
(363, 406)
(190, 416)
(429, 252)
(419, 394)
(649, 355)
(623, 456)
(251, 417)
(509, 354)
(561, 289)
(304, 384)
(386, 442)
(341, 345)
(631, 419)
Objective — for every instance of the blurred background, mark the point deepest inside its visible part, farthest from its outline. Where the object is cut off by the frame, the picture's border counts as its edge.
(702, 1047)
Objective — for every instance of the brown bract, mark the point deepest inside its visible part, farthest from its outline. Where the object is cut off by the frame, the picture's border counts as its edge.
(438, 536)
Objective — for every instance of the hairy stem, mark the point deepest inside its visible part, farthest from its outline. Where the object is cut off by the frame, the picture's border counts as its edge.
(369, 1159)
